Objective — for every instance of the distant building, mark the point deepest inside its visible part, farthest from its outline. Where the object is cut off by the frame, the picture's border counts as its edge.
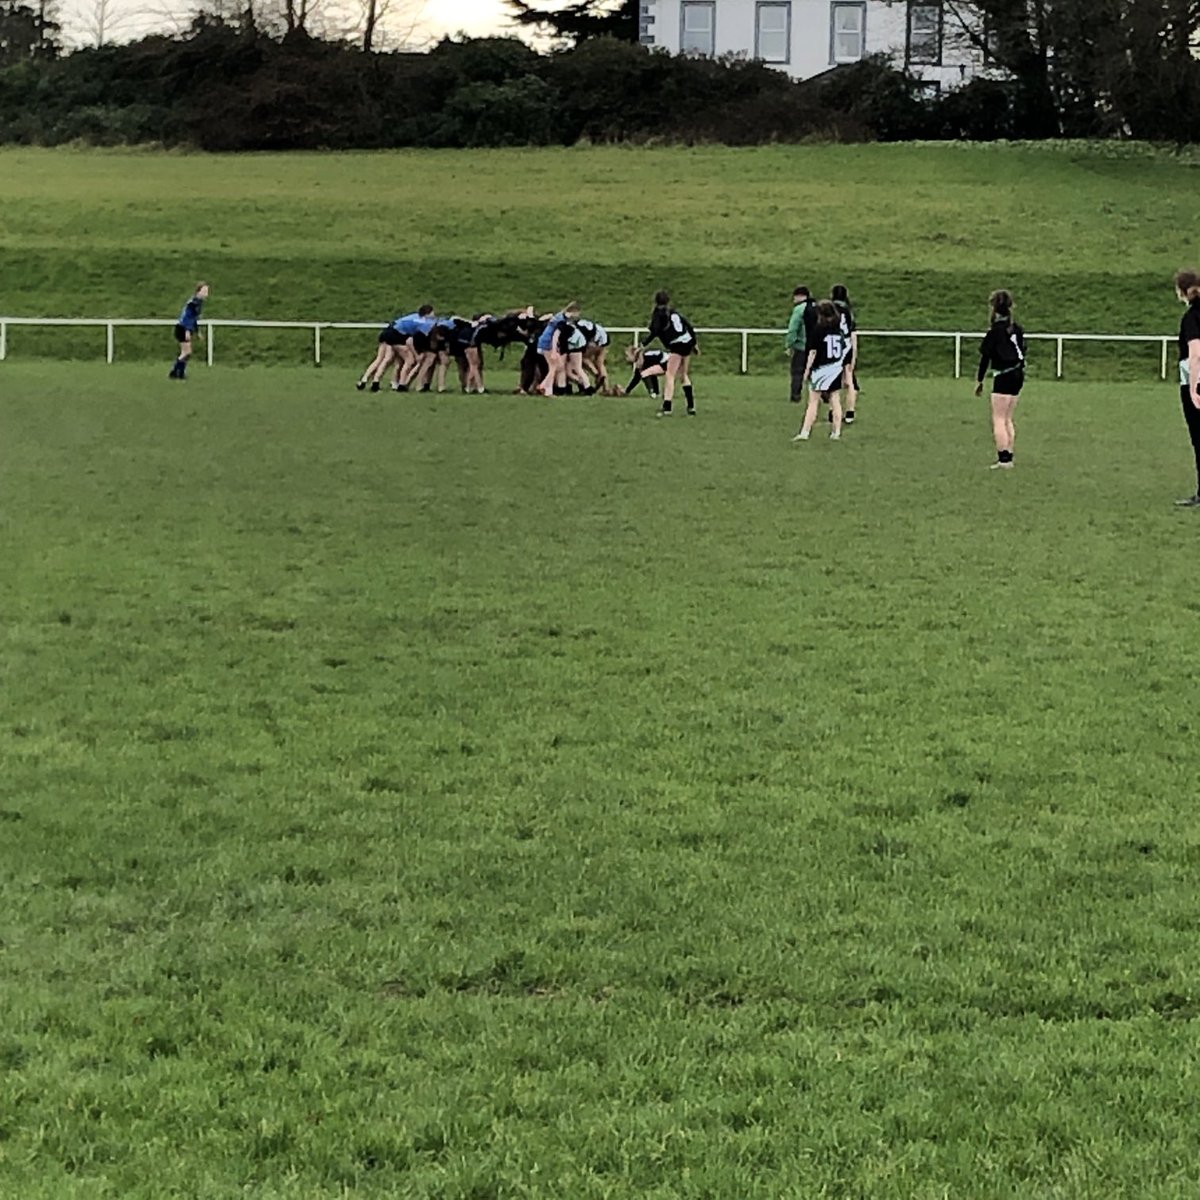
(806, 37)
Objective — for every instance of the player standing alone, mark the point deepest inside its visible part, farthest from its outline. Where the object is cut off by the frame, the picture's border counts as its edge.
(1003, 351)
(186, 330)
(1187, 287)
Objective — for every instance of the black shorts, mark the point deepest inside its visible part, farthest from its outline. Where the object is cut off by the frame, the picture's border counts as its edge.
(1009, 384)
(182, 335)
(683, 349)
(391, 337)
(420, 342)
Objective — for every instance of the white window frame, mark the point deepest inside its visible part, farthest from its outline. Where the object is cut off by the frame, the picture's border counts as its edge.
(836, 7)
(910, 58)
(698, 6)
(784, 6)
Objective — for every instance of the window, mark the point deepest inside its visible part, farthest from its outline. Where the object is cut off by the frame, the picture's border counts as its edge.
(925, 34)
(848, 32)
(697, 27)
(773, 32)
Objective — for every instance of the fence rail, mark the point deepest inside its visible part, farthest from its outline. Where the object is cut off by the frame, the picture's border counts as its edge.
(111, 324)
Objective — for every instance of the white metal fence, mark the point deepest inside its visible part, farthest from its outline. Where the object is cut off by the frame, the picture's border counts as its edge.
(111, 324)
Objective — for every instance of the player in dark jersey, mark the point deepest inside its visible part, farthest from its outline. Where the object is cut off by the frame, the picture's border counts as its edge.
(647, 366)
(841, 299)
(828, 350)
(187, 328)
(450, 341)
(1187, 288)
(1003, 352)
(595, 353)
(675, 332)
(573, 342)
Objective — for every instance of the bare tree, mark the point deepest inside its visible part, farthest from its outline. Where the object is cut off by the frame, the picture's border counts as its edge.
(376, 24)
(101, 21)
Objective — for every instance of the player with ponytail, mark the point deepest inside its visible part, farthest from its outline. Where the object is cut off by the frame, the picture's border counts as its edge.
(1003, 352)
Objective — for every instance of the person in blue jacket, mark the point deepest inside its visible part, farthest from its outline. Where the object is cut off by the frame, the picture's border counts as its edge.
(186, 329)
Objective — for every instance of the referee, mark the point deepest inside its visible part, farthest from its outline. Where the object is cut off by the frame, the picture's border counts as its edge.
(1187, 287)
(797, 340)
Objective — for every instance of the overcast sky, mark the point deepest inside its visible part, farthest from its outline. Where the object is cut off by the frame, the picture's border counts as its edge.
(127, 19)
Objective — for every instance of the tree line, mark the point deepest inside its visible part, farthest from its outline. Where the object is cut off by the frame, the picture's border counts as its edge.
(244, 79)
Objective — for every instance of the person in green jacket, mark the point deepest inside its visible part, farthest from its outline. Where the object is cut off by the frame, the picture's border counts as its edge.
(797, 339)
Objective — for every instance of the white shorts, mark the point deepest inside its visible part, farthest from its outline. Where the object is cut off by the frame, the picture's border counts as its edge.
(827, 378)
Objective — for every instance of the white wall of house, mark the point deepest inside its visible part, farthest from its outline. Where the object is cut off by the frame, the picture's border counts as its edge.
(807, 37)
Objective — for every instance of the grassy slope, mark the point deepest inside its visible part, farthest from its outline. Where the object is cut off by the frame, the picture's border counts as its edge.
(920, 233)
(464, 799)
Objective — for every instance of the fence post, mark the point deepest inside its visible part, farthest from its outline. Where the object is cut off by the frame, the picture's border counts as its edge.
(958, 356)
(1059, 364)
(316, 345)
(1166, 342)
(745, 353)
(208, 347)
(4, 342)
(108, 342)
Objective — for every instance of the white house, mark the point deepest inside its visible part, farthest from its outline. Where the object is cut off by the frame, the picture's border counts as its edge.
(806, 37)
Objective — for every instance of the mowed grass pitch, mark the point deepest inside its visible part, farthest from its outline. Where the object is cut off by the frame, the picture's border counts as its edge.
(498, 798)
(1087, 236)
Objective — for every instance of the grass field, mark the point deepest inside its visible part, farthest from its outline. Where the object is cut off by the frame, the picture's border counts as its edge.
(1087, 236)
(494, 798)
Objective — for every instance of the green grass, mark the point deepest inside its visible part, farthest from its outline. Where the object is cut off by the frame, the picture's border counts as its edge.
(497, 798)
(1087, 236)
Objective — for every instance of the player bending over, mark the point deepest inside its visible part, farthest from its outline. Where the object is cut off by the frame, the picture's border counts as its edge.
(647, 366)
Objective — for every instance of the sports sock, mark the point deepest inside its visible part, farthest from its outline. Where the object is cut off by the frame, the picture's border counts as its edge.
(689, 395)
(666, 407)
(637, 378)
(1006, 456)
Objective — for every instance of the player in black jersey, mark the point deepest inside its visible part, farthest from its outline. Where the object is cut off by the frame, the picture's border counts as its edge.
(595, 353)
(1187, 288)
(841, 299)
(1003, 352)
(647, 366)
(675, 332)
(828, 348)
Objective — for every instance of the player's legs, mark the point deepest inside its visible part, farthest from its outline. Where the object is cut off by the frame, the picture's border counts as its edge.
(1191, 415)
(398, 359)
(810, 414)
(383, 354)
(850, 393)
(1003, 430)
(441, 364)
(183, 351)
(472, 369)
(835, 407)
(554, 366)
(672, 373)
(575, 372)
